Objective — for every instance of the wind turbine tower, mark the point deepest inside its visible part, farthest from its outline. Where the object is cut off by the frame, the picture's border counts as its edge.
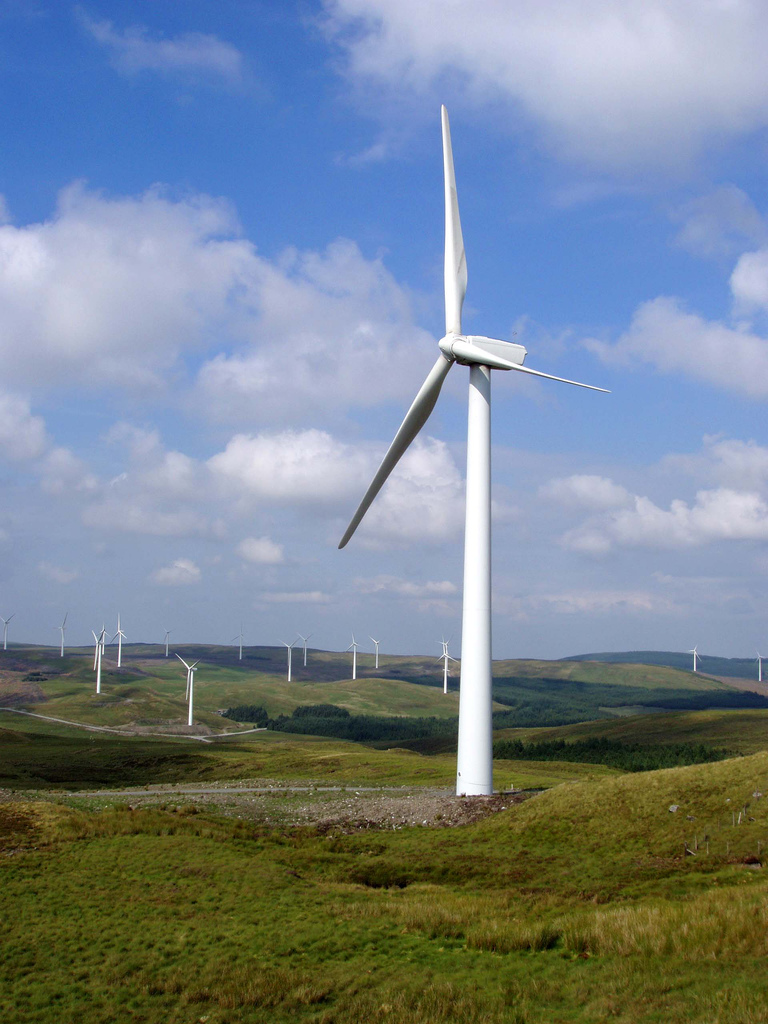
(240, 638)
(190, 685)
(376, 645)
(695, 654)
(167, 634)
(759, 667)
(290, 651)
(474, 768)
(5, 630)
(61, 629)
(445, 658)
(120, 635)
(353, 647)
(97, 656)
(304, 640)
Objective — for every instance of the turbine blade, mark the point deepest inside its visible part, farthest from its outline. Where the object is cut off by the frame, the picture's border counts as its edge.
(455, 271)
(415, 418)
(186, 666)
(468, 353)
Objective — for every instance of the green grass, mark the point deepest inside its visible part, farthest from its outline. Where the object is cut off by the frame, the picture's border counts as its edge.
(745, 731)
(577, 906)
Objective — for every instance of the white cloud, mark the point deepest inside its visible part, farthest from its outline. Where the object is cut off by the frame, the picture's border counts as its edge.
(719, 223)
(406, 588)
(110, 291)
(610, 81)
(191, 53)
(328, 331)
(303, 467)
(423, 500)
(124, 514)
(675, 341)
(56, 573)
(61, 471)
(749, 281)
(183, 572)
(741, 465)
(586, 491)
(261, 550)
(715, 515)
(22, 435)
(296, 597)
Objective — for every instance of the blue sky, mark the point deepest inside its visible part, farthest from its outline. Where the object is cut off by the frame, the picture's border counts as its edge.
(221, 286)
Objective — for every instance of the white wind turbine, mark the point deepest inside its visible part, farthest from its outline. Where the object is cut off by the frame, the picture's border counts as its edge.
(353, 647)
(240, 638)
(61, 629)
(445, 658)
(190, 685)
(759, 667)
(290, 651)
(167, 635)
(120, 635)
(5, 630)
(97, 655)
(304, 640)
(695, 654)
(474, 770)
(376, 645)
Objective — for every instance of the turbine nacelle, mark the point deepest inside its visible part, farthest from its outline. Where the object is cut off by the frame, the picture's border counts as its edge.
(501, 352)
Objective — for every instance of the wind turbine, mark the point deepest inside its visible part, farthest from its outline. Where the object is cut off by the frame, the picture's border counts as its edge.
(290, 651)
(474, 769)
(165, 641)
(353, 647)
(240, 638)
(695, 654)
(5, 630)
(190, 685)
(61, 629)
(376, 645)
(97, 656)
(445, 658)
(120, 637)
(759, 667)
(304, 645)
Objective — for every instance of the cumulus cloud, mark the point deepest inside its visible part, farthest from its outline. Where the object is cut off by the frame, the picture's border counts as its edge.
(406, 588)
(715, 515)
(674, 340)
(741, 465)
(329, 330)
(261, 550)
(22, 435)
(110, 291)
(181, 573)
(615, 82)
(191, 54)
(586, 491)
(56, 573)
(719, 223)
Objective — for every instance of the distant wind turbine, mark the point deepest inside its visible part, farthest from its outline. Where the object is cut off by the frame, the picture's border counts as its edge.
(61, 629)
(5, 630)
(304, 645)
(167, 634)
(445, 658)
(695, 654)
(120, 635)
(759, 667)
(97, 656)
(290, 651)
(376, 645)
(353, 647)
(474, 768)
(240, 638)
(190, 685)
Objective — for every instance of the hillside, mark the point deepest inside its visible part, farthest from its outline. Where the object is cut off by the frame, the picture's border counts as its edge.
(711, 665)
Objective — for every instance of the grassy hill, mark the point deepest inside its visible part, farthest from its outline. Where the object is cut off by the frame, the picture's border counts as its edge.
(735, 668)
(580, 905)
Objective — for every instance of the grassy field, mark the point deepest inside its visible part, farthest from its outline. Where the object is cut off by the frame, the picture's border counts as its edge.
(743, 731)
(579, 905)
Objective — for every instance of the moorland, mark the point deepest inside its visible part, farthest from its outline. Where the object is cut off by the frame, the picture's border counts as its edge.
(315, 866)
